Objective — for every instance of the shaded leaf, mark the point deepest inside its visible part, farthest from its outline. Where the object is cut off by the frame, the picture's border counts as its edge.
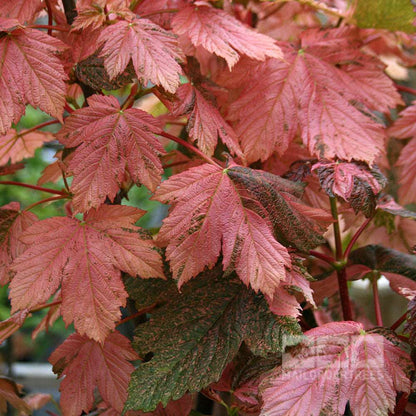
(10, 392)
(90, 364)
(110, 142)
(355, 183)
(385, 260)
(86, 259)
(194, 334)
(220, 33)
(25, 11)
(12, 324)
(338, 363)
(182, 406)
(386, 14)
(410, 326)
(386, 203)
(11, 168)
(30, 73)
(153, 51)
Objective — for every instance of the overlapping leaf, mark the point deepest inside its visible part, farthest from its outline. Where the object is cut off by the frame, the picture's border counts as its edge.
(355, 183)
(89, 364)
(30, 73)
(314, 90)
(10, 393)
(338, 363)
(15, 146)
(24, 11)
(110, 142)
(218, 32)
(410, 326)
(153, 51)
(85, 258)
(12, 224)
(209, 215)
(194, 334)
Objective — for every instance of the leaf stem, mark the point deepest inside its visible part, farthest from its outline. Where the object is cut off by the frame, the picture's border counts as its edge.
(158, 12)
(46, 305)
(341, 274)
(355, 238)
(50, 16)
(189, 146)
(401, 405)
(376, 300)
(405, 89)
(68, 108)
(50, 27)
(52, 198)
(327, 259)
(39, 126)
(35, 187)
(399, 322)
(142, 311)
(131, 98)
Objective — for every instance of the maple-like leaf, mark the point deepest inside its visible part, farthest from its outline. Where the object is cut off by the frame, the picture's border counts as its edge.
(355, 183)
(89, 364)
(220, 33)
(209, 215)
(110, 142)
(407, 166)
(54, 312)
(85, 257)
(153, 51)
(12, 324)
(191, 350)
(15, 146)
(182, 406)
(338, 363)
(25, 11)
(313, 92)
(13, 223)
(30, 73)
(205, 122)
(10, 393)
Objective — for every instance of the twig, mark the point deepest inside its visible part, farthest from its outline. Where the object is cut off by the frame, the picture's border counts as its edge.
(35, 187)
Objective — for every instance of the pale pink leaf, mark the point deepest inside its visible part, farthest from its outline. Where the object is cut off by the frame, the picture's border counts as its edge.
(208, 216)
(153, 51)
(220, 33)
(24, 11)
(85, 258)
(15, 147)
(338, 363)
(30, 73)
(110, 142)
(89, 364)
(407, 166)
(404, 127)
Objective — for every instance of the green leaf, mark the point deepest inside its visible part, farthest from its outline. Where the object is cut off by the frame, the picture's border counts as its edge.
(194, 334)
(385, 260)
(385, 14)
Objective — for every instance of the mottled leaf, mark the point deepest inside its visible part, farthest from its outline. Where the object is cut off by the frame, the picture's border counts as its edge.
(410, 326)
(395, 15)
(386, 203)
(194, 334)
(87, 364)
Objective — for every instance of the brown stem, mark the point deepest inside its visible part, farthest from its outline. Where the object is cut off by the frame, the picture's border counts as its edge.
(355, 238)
(39, 126)
(50, 16)
(131, 98)
(158, 12)
(405, 89)
(35, 187)
(376, 300)
(401, 405)
(52, 198)
(327, 259)
(399, 322)
(69, 109)
(341, 273)
(188, 146)
(50, 27)
(171, 165)
(46, 305)
(142, 311)
(70, 10)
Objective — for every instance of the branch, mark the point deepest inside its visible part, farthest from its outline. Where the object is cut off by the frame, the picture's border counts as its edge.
(50, 16)
(399, 322)
(50, 28)
(46, 305)
(36, 188)
(141, 312)
(52, 198)
(70, 10)
(405, 89)
(39, 126)
(355, 237)
(327, 259)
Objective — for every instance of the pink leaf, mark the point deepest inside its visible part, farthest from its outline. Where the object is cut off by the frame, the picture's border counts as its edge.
(153, 51)
(110, 142)
(218, 32)
(30, 73)
(338, 363)
(89, 364)
(24, 11)
(86, 258)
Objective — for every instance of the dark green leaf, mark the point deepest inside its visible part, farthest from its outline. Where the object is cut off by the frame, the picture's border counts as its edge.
(386, 203)
(385, 14)
(292, 220)
(385, 260)
(194, 334)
